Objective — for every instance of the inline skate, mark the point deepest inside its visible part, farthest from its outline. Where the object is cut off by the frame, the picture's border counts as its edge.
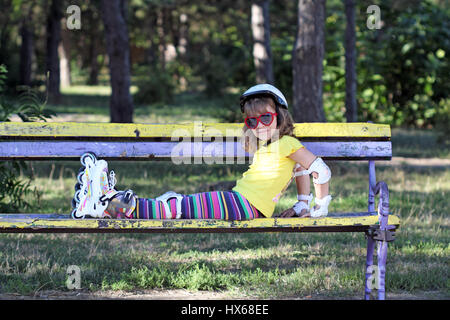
(94, 191)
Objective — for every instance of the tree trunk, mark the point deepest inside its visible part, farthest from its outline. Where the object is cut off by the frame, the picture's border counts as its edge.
(64, 59)
(26, 53)
(162, 37)
(183, 36)
(262, 55)
(94, 44)
(5, 31)
(93, 65)
(117, 44)
(182, 46)
(307, 59)
(150, 27)
(53, 38)
(351, 111)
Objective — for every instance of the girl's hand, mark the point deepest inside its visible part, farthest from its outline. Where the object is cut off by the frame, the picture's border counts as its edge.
(291, 213)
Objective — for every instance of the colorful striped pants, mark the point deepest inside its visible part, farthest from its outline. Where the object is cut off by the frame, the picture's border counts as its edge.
(225, 205)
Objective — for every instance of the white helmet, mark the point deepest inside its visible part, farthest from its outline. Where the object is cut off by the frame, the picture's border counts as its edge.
(264, 89)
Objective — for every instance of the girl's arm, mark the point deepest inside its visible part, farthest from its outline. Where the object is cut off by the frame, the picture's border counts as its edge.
(305, 158)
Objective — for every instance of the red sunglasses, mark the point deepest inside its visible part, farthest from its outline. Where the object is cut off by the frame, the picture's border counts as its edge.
(266, 119)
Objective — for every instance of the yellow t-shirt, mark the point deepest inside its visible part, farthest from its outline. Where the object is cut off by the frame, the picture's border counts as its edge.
(270, 171)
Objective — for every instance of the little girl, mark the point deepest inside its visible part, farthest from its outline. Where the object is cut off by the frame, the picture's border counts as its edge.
(278, 158)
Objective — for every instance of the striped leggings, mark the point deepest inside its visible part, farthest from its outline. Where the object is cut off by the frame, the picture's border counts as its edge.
(225, 205)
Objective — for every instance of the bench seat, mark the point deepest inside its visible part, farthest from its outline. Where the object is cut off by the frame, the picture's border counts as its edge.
(196, 143)
(49, 223)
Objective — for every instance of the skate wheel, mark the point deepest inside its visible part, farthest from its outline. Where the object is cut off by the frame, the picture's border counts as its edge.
(87, 155)
(80, 177)
(74, 204)
(74, 215)
(106, 216)
(77, 196)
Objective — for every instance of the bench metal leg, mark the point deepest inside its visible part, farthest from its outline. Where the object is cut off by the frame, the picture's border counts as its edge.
(383, 213)
(382, 255)
(370, 241)
(372, 183)
(381, 235)
(369, 263)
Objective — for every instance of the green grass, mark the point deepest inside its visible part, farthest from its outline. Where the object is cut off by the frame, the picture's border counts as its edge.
(267, 265)
(261, 265)
(92, 104)
(417, 144)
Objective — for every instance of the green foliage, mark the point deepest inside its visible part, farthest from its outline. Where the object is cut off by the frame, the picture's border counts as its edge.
(442, 123)
(403, 70)
(155, 85)
(215, 75)
(13, 189)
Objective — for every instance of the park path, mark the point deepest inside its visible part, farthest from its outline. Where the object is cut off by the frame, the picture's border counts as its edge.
(417, 162)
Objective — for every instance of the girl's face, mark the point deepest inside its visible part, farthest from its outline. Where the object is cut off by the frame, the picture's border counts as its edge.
(262, 131)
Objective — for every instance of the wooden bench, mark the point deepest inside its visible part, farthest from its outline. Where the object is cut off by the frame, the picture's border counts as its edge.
(206, 143)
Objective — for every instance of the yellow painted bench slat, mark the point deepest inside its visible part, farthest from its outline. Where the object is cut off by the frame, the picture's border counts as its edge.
(196, 129)
(125, 224)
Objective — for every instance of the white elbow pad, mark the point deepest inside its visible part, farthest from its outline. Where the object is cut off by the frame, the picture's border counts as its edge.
(323, 171)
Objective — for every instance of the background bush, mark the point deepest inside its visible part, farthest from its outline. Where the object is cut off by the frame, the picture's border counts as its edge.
(14, 189)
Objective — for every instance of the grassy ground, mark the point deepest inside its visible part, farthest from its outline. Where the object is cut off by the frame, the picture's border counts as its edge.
(91, 103)
(263, 265)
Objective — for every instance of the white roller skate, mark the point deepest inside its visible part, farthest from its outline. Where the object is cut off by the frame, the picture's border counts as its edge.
(94, 188)
(121, 204)
(323, 210)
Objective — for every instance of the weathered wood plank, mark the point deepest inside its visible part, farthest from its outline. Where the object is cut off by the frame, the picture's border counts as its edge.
(175, 151)
(195, 129)
(63, 223)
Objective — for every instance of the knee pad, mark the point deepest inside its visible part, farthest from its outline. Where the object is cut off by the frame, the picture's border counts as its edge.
(166, 197)
(323, 171)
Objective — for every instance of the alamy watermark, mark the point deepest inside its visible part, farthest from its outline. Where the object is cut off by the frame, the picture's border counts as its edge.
(210, 145)
(74, 19)
(374, 20)
(373, 281)
(73, 277)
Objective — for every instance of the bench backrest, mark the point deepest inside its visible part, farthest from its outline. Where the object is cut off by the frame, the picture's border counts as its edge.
(194, 142)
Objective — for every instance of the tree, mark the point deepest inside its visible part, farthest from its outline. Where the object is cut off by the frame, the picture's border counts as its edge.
(53, 39)
(26, 48)
(262, 55)
(307, 59)
(351, 111)
(117, 44)
(64, 59)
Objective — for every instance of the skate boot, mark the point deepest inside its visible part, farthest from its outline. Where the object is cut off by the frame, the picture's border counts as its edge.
(121, 204)
(323, 210)
(93, 189)
(300, 205)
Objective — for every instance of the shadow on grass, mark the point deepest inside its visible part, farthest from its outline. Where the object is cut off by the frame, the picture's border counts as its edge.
(186, 107)
(417, 144)
(82, 104)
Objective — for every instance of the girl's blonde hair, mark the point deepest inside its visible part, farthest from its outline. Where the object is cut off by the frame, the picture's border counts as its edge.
(258, 105)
